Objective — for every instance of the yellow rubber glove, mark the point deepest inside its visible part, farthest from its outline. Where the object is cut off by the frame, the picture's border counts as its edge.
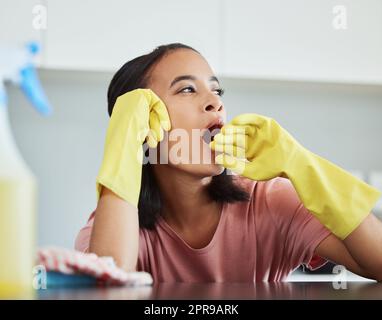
(137, 115)
(258, 148)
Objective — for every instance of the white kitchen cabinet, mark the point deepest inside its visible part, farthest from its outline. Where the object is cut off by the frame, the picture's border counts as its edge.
(296, 40)
(102, 35)
(21, 21)
(273, 39)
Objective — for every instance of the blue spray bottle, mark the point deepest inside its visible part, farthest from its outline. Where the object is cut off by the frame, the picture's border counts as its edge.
(18, 185)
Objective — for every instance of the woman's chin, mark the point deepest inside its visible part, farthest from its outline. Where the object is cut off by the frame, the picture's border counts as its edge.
(213, 166)
(219, 169)
(214, 169)
(202, 170)
(204, 165)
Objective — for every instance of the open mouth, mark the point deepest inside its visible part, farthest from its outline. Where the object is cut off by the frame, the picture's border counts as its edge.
(211, 132)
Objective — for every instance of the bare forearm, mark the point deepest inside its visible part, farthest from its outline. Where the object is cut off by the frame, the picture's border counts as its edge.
(116, 231)
(365, 246)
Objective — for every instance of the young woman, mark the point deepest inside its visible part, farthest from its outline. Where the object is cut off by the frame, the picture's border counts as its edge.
(196, 222)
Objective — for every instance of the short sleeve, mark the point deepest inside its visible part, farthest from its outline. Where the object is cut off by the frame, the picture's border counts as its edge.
(300, 231)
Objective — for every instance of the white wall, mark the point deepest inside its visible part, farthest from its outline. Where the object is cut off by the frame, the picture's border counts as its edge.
(340, 122)
(321, 40)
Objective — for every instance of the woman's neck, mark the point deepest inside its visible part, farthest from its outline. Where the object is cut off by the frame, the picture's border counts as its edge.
(185, 201)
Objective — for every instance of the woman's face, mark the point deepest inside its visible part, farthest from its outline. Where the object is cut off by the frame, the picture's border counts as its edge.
(186, 84)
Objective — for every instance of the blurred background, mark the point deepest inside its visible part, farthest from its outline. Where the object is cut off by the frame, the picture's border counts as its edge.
(313, 65)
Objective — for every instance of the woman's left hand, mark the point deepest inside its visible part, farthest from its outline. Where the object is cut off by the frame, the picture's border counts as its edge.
(257, 147)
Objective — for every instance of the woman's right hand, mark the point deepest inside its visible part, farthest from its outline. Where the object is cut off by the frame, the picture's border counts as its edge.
(144, 109)
(137, 115)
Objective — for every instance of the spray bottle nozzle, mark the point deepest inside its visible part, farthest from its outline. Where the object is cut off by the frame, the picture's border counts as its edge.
(18, 67)
(33, 47)
(32, 89)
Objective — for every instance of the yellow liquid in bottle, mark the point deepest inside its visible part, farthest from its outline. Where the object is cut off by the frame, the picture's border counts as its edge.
(17, 236)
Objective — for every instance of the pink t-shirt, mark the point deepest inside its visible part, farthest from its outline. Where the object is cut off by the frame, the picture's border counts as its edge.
(263, 239)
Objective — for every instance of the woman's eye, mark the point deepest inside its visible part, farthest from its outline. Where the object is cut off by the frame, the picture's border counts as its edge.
(191, 88)
(220, 91)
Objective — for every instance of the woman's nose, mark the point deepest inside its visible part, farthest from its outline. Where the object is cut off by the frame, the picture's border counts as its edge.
(214, 105)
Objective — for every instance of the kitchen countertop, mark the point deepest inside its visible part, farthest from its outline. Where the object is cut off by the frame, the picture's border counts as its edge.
(211, 291)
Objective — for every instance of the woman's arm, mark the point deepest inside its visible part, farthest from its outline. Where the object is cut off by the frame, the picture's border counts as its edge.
(115, 231)
(360, 252)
